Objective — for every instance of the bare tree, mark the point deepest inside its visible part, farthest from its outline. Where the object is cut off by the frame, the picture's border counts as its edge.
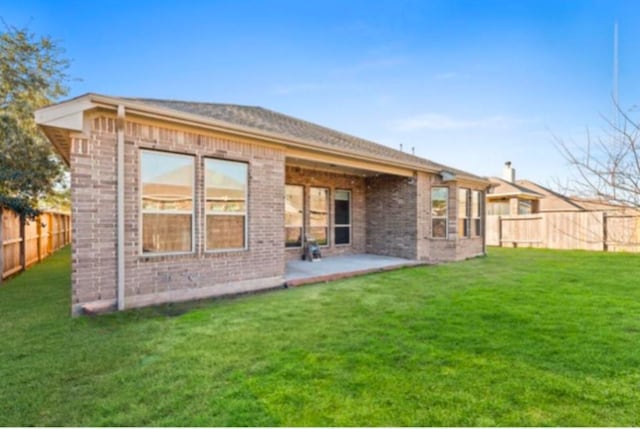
(607, 167)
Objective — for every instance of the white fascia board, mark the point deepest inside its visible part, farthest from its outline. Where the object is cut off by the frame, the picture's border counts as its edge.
(524, 195)
(68, 116)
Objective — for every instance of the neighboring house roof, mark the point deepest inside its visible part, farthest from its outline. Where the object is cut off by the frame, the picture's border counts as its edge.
(502, 189)
(551, 200)
(548, 200)
(271, 124)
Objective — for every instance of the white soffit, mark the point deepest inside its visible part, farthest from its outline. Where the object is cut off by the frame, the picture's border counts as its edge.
(66, 116)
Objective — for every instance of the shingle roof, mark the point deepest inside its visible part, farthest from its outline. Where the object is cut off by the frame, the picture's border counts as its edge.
(265, 120)
(553, 200)
(505, 187)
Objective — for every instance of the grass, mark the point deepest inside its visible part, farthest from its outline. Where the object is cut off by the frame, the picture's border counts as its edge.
(521, 338)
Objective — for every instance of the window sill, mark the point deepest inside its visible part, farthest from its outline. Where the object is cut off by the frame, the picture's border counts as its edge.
(148, 257)
(225, 251)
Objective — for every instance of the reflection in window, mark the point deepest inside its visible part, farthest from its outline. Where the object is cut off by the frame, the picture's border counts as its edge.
(498, 208)
(463, 212)
(293, 215)
(319, 215)
(342, 217)
(167, 202)
(225, 204)
(439, 211)
(524, 207)
(477, 197)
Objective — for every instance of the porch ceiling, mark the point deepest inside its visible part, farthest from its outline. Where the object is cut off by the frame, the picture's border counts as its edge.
(332, 167)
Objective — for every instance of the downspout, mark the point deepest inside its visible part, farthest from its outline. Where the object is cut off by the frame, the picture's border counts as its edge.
(120, 206)
(484, 220)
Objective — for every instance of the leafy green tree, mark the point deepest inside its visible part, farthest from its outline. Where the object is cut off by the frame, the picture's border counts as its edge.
(33, 74)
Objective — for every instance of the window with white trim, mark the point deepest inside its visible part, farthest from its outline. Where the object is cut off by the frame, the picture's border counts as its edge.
(477, 198)
(167, 202)
(439, 211)
(319, 215)
(342, 217)
(293, 215)
(225, 205)
(464, 213)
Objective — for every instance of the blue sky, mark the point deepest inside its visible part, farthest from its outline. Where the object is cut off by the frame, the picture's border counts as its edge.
(470, 84)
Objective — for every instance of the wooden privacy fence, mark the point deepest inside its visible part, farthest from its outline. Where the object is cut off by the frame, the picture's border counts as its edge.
(25, 243)
(566, 230)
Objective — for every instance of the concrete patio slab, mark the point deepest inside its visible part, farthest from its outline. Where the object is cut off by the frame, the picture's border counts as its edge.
(336, 267)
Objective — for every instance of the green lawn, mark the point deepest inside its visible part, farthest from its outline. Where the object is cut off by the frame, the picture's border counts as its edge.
(523, 337)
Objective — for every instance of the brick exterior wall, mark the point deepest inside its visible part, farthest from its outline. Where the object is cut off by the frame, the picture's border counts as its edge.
(332, 181)
(399, 220)
(454, 247)
(390, 215)
(392, 222)
(93, 220)
(155, 279)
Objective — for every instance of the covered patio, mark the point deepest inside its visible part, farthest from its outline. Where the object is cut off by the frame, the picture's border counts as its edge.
(299, 272)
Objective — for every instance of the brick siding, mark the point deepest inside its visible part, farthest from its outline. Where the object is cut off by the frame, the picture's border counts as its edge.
(392, 225)
(93, 172)
(390, 215)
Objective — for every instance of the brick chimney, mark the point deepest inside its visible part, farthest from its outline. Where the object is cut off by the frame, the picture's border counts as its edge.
(508, 172)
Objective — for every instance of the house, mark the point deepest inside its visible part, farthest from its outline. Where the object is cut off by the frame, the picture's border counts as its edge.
(524, 213)
(180, 200)
(511, 197)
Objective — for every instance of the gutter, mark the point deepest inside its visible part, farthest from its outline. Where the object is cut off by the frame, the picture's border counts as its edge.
(120, 207)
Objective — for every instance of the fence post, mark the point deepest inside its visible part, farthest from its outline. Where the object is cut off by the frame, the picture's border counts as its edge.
(50, 236)
(605, 246)
(23, 243)
(499, 231)
(39, 237)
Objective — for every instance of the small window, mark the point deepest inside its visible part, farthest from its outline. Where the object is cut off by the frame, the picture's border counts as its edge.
(226, 204)
(342, 217)
(463, 213)
(319, 214)
(477, 198)
(167, 202)
(524, 207)
(293, 215)
(439, 212)
(496, 208)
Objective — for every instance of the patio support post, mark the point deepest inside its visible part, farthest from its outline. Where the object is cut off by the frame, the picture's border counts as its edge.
(120, 207)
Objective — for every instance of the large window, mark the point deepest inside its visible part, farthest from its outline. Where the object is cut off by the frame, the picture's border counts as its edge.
(342, 217)
(293, 215)
(439, 211)
(319, 215)
(167, 202)
(463, 213)
(477, 197)
(225, 204)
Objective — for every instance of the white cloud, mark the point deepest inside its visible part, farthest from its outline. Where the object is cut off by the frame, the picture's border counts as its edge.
(435, 121)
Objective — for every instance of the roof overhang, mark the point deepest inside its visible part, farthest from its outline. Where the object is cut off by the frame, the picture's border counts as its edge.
(60, 120)
(523, 195)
